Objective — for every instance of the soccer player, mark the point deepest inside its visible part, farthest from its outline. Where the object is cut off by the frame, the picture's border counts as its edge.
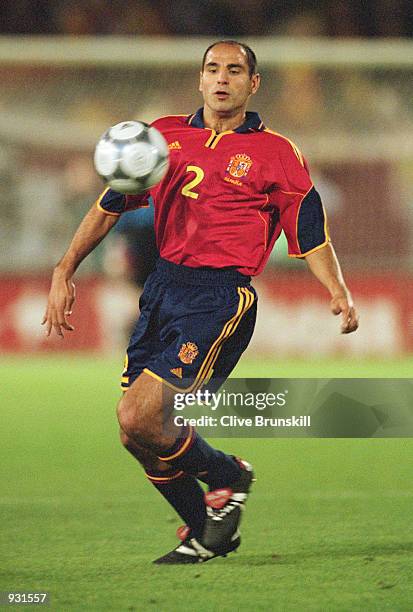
(232, 186)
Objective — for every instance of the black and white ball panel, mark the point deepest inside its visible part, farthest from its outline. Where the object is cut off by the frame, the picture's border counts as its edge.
(131, 157)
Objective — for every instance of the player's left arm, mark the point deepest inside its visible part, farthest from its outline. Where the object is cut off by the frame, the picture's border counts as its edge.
(304, 221)
(325, 266)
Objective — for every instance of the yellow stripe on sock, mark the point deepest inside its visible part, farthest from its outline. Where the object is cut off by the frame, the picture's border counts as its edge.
(164, 478)
(183, 448)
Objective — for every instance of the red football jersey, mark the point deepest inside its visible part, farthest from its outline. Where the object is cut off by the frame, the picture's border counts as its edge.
(226, 197)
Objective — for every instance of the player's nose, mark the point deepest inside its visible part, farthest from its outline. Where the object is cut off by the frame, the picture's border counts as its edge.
(222, 78)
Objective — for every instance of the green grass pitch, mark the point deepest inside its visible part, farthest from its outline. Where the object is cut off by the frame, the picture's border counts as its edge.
(328, 525)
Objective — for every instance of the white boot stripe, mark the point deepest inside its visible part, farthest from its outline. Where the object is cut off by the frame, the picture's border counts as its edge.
(236, 535)
(200, 550)
(240, 497)
(185, 550)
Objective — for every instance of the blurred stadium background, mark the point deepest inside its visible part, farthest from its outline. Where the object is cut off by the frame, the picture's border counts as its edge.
(328, 524)
(337, 79)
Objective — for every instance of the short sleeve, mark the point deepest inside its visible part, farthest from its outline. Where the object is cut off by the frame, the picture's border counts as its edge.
(301, 213)
(114, 203)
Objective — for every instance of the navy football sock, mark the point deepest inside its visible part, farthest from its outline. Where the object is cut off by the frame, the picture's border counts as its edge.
(192, 454)
(184, 493)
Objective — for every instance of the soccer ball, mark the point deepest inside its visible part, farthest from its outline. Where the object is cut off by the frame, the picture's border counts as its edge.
(131, 157)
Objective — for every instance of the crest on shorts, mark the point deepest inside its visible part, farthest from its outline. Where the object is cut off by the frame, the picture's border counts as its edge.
(188, 352)
(239, 165)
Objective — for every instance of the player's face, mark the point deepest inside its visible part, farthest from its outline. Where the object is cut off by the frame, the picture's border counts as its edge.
(225, 81)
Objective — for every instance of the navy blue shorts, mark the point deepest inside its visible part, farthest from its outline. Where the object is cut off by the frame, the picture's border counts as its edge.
(193, 327)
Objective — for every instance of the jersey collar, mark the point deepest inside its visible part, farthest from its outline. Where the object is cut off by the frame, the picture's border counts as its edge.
(252, 122)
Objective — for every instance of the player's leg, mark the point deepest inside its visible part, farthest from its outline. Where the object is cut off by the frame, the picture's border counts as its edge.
(180, 490)
(143, 409)
(144, 415)
(141, 415)
(223, 515)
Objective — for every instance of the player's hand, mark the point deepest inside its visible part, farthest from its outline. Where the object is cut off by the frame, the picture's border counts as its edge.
(343, 304)
(59, 305)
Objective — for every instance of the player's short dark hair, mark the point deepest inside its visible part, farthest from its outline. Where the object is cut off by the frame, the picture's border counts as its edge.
(251, 57)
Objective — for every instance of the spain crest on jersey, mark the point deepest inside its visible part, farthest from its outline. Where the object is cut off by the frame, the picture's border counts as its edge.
(239, 165)
(188, 352)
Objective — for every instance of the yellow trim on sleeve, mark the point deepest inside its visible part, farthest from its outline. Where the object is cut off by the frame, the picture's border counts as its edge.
(317, 248)
(326, 232)
(98, 201)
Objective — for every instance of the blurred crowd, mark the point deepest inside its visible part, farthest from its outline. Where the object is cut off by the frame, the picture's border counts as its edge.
(370, 18)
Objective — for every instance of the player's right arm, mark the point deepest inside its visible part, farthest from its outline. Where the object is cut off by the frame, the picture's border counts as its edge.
(94, 227)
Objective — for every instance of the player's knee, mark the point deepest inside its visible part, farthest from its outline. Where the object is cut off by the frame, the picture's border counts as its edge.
(133, 418)
(127, 417)
(125, 440)
(130, 445)
(148, 460)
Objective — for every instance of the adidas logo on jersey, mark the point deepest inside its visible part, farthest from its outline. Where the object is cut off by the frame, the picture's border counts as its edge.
(176, 145)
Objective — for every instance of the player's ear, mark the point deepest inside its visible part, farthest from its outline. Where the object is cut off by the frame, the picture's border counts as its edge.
(255, 82)
(200, 81)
